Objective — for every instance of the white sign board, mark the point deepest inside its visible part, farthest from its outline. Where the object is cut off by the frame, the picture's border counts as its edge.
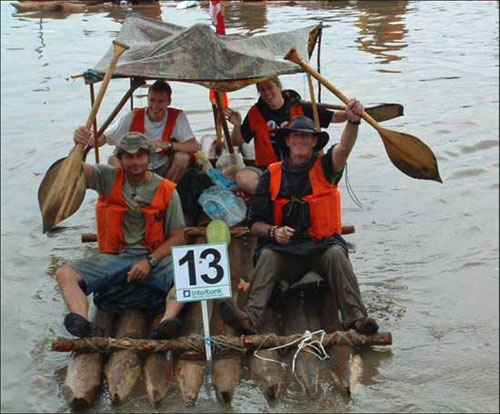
(201, 272)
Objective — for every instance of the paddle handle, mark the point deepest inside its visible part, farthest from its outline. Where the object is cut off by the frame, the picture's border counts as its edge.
(317, 125)
(294, 57)
(118, 49)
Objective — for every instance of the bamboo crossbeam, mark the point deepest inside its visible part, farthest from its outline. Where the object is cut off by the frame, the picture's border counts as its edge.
(183, 344)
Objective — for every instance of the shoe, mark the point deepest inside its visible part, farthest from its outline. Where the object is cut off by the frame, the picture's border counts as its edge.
(236, 318)
(168, 329)
(365, 325)
(78, 326)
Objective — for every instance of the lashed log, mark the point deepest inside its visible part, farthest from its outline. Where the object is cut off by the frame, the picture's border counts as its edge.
(83, 381)
(188, 343)
(158, 371)
(226, 371)
(124, 367)
(269, 376)
(340, 357)
(300, 314)
(189, 372)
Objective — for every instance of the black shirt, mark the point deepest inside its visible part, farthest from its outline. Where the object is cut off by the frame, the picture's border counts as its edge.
(294, 184)
(276, 119)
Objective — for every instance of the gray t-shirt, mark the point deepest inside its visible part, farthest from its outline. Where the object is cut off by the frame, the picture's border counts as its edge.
(136, 198)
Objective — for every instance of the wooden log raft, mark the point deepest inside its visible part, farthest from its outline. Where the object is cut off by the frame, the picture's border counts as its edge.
(184, 344)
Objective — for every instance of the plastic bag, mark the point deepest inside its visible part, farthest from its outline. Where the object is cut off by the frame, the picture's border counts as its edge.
(220, 203)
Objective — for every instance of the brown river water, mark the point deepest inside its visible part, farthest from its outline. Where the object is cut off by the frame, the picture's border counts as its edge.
(426, 254)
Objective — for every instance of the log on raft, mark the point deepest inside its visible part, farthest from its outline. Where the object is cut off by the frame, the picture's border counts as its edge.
(269, 376)
(83, 381)
(158, 371)
(300, 314)
(124, 366)
(227, 364)
(188, 343)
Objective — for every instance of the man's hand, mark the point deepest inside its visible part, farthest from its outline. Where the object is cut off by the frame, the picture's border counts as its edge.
(284, 234)
(159, 144)
(354, 110)
(232, 116)
(84, 136)
(139, 271)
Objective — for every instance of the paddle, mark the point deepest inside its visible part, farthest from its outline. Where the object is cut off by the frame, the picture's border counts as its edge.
(64, 187)
(55, 168)
(381, 113)
(407, 153)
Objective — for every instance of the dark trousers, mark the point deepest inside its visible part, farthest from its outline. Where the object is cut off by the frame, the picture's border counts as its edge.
(331, 264)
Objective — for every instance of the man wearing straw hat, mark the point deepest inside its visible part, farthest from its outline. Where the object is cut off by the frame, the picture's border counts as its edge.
(296, 214)
(139, 220)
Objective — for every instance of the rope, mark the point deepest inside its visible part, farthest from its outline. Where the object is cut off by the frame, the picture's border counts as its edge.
(306, 340)
(350, 191)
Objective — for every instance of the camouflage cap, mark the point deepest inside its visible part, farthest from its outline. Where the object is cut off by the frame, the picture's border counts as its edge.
(133, 142)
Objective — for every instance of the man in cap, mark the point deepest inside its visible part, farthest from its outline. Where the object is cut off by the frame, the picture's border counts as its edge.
(296, 214)
(139, 220)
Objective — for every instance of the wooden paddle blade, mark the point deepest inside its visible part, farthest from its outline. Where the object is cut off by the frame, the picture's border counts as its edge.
(385, 112)
(62, 189)
(410, 155)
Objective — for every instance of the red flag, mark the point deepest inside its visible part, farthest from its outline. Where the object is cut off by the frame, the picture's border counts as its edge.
(215, 9)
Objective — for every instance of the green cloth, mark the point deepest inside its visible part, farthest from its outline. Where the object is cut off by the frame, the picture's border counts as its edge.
(136, 198)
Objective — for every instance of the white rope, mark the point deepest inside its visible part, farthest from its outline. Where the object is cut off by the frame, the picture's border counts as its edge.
(305, 341)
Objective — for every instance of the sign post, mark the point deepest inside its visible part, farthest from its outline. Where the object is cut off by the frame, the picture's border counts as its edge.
(202, 273)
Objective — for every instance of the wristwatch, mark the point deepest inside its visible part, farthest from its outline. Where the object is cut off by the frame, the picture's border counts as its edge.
(153, 261)
(354, 122)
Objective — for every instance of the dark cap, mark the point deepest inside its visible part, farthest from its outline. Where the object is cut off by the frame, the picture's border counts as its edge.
(133, 142)
(302, 124)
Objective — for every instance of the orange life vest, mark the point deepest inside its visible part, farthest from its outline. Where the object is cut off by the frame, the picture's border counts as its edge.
(138, 122)
(324, 202)
(264, 151)
(111, 209)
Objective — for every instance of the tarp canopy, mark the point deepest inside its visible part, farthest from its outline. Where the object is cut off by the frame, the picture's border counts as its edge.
(197, 54)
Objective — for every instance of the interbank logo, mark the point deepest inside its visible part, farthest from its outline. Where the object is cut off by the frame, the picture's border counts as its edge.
(186, 293)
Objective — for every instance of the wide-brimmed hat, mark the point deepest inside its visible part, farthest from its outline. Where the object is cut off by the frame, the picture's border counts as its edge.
(302, 124)
(133, 142)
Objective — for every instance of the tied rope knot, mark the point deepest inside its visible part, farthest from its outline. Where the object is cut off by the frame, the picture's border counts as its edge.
(307, 342)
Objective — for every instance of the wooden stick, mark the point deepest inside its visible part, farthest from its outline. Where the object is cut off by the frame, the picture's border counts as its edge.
(227, 135)
(314, 105)
(182, 344)
(94, 125)
(200, 231)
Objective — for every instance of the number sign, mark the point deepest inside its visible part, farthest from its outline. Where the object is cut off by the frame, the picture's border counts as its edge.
(201, 272)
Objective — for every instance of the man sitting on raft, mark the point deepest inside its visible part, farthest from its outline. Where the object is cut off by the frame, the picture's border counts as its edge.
(139, 220)
(296, 214)
(274, 110)
(166, 128)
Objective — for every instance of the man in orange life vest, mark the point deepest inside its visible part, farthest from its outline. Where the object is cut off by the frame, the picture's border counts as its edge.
(296, 214)
(167, 129)
(139, 220)
(274, 109)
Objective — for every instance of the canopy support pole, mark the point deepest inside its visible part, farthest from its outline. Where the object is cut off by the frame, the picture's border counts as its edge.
(227, 135)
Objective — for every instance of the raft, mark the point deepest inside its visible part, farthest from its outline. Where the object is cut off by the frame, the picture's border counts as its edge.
(301, 346)
(134, 365)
